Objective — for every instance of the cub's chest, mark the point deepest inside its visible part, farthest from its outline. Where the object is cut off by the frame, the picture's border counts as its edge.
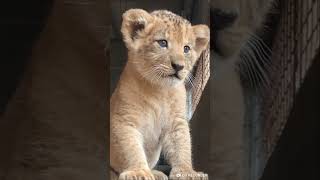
(160, 111)
(156, 124)
(161, 115)
(166, 109)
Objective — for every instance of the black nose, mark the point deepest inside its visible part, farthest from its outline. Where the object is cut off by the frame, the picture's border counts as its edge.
(221, 19)
(177, 67)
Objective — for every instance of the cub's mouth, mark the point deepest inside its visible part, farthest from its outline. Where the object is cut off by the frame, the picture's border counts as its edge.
(172, 76)
(175, 75)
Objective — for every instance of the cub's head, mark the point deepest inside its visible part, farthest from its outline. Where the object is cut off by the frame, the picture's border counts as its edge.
(163, 47)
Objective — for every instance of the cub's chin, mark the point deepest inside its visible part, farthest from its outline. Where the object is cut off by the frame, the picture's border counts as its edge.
(175, 80)
(168, 81)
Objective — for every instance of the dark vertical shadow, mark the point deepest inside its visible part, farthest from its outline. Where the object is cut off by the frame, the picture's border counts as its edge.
(21, 23)
(297, 154)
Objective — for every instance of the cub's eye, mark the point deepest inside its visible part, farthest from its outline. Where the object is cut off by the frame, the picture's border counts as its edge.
(163, 43)
(186, 49)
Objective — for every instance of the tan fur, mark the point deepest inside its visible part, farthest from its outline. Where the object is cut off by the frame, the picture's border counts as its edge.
(148, 107)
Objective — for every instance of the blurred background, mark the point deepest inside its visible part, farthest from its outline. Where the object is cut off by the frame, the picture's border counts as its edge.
(283, 135)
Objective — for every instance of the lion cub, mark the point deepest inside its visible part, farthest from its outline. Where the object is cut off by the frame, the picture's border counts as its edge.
(148, 107)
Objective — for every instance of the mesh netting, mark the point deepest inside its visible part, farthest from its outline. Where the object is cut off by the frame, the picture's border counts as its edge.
(295, 47)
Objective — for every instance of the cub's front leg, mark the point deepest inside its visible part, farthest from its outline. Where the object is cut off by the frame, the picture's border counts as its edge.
(177, 151)
(127, 153)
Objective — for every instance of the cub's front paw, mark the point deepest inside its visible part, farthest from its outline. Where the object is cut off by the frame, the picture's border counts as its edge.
(140, 174)
(187, 174)
(158, 175)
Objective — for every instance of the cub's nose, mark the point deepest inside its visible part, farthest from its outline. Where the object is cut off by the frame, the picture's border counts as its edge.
(177, 67)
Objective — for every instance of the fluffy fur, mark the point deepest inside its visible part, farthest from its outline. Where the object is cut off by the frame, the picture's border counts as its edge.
(148, 107)
(234, 44)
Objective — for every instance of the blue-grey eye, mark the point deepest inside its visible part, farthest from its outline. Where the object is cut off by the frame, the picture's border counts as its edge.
(163, 43)
(186, 49)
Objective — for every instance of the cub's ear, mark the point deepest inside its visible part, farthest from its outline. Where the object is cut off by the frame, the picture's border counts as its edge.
(134, 22)
(202, 34)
